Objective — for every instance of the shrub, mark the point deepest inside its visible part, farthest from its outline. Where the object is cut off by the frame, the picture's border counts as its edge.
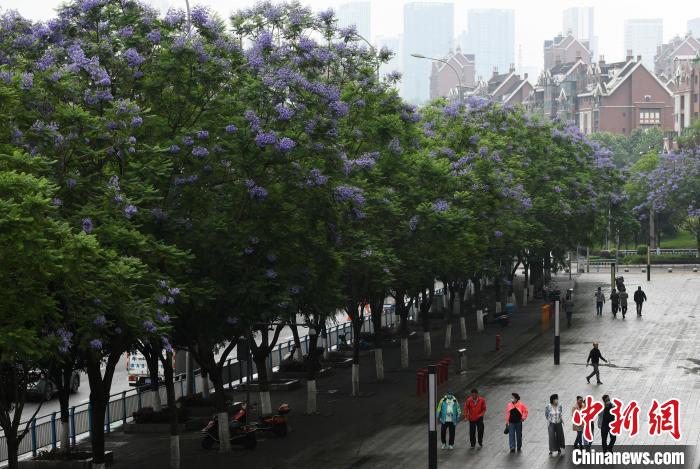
(641, 250)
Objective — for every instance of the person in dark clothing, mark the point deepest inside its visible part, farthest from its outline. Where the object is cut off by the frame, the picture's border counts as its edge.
(614, 301)
(623, 302)
(639, 298)
(594, 358)
(605, 418)
(599, 300)
(569, 307)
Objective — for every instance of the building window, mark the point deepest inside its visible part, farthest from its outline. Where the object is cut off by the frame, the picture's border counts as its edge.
(649, 117)
(647, 98)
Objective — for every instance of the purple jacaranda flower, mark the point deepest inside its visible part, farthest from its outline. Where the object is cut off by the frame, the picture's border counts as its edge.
(158, 213)
(440, 205)
(557, 189)
(258, 192)
(254, 240)
(395, 146)
(161, 317)
(366, 253)
(285, 144)
(200, 152)
(295, 289)
(498, 234)
(133, 58)
(284, 113)
(162, 299)
(136, 121)
(100, 320)
(249, 250)
(130, 211)
(56, 202)
(271, 257)
(386, 270)
(154, 36)
(202, 134)
(174, 16)
(231, 128)
(200, 15)
(166, 344)
(231, 321)
(354, 194)
(46, 61)
(87, 225)
(162, 284)
(263, 139)
(271, 274)
(149, 326)
(174, 148)
(327, 15)
(339, 108)
(126, 31)
(174, 291)
(26, 81)
(96, 344)
(413, 223)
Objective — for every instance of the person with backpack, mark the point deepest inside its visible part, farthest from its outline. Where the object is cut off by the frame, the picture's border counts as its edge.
(516, 414)
(449, 414)
(615, 301)
(474, 410)
(639, 298)
(623, 302)
(599, 301)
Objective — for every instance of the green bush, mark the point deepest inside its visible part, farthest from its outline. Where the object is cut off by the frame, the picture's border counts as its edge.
(641, 250)
(642, 260)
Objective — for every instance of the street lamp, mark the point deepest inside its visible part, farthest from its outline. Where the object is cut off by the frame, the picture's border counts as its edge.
(459, 79)
(371, 47)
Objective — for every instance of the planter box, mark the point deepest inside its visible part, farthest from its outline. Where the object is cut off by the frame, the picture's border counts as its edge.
(301, 375)
(190, 425)
(346, 363)
(63, 463)
(281, 385)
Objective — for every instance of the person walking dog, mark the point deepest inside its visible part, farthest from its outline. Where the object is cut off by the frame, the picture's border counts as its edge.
(639, 298)
(516, 414)
(594, 357)
(449, 414)
(474, 410)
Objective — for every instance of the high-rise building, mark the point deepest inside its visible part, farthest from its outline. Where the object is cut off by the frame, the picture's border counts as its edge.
(694, 27)
(428, 30)
(393, 44)
(642, 36)
(356, 13)
(580, 22)
(491, 38)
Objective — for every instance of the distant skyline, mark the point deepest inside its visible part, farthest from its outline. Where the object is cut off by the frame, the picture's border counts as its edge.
(490, 37)
(535, 21)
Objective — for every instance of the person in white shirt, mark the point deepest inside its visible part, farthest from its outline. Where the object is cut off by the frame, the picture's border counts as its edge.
(553, 413)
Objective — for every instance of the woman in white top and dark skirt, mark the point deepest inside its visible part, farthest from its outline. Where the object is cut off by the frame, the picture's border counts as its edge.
(553, 413)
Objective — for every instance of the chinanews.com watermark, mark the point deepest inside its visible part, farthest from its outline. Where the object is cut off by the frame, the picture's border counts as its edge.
(626, 456)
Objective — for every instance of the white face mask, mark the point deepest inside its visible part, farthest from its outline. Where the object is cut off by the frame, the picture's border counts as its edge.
(514, 400)
(556, 402)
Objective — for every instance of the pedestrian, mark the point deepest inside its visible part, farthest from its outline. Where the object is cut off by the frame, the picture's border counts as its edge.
(639, 298)
(614, 301)
(623, 302)
(553, 413)
(594, 357)
(578, 442)
(569, 307)
(599, 300)
(449, 414)
(516, 414)
(605, 418)
(474, 410)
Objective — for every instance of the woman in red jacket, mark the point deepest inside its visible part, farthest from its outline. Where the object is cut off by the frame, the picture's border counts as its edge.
(516, 414)
(474, 410)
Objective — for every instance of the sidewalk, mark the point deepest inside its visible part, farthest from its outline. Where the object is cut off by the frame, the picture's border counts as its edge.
(345, 424)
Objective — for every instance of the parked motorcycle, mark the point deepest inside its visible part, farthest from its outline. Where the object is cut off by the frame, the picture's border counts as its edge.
(277, 424)
(240, 432)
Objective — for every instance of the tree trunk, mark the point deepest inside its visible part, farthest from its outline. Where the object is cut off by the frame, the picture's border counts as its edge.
(260, 358)
(168, 376)
(426, 300)
(312, 367)
(460, 304)
(12, 450)
(64, 402)
(150, 354)
(402, 311)
(377, 307)
(357, 319)
(98, 402)
(298, 351)
(205, 383)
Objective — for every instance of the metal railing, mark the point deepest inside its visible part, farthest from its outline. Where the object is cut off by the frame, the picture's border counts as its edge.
(662, 252)
(44, 431)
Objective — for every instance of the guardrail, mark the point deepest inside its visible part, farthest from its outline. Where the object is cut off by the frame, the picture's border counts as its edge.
(662, 252)
(44, 431)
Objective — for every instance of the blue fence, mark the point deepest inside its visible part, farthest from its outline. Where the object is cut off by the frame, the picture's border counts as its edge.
(44, 432)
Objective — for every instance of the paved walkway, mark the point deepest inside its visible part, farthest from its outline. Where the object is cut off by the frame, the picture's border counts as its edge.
(657, 356)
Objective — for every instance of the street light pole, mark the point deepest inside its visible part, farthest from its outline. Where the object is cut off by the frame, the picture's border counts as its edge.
(460, 92)
(372, 48)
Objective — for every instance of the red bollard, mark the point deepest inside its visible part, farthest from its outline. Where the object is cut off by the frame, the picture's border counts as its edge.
(444, 368)
(420, 383)
(498, 342)
(441, 372)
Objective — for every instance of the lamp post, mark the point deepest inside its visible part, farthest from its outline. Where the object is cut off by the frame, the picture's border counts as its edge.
(372, 48)
(189, 18)
(459, 79)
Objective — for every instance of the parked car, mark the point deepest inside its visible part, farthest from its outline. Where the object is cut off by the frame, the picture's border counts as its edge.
(42, 387)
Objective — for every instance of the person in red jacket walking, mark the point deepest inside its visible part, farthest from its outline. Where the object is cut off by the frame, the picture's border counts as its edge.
(474, 410)
(516, 414)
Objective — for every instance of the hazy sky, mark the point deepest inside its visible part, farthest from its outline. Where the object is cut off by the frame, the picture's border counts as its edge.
(535, 20)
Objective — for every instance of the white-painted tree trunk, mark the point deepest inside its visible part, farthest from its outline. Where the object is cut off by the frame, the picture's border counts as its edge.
(157, 402)
(65, 436)
(427, 349)
(379, 363)
(479, 320)
(324, 343)
(311, 397)
(448, 336)
(265, 403)
(355, 379)
(224, 436)
(205, 386)
(404, 352)
(498, 308)
(174, 451)
(463, 327)
(96, 465)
